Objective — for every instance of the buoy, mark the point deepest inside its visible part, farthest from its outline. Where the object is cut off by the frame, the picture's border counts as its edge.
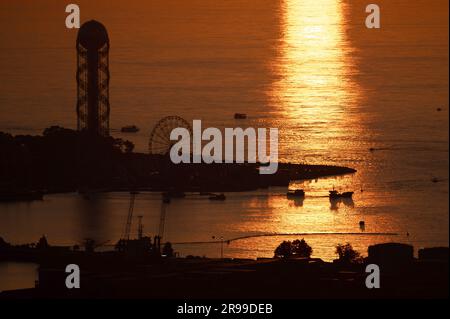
(362, 225)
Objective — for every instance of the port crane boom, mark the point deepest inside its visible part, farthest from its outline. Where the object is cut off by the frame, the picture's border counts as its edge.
(162, 219)
(126, 234)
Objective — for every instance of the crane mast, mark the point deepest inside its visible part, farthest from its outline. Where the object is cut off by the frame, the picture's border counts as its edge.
(126, 234)
(162, 220)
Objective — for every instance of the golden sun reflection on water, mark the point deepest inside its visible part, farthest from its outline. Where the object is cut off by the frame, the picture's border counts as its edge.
(315, 59)
(316, 86)
(317, 100)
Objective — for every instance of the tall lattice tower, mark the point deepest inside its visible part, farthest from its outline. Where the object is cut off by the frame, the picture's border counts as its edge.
(93, 78)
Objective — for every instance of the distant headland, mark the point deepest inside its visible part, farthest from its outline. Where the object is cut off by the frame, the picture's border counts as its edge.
(66, 160)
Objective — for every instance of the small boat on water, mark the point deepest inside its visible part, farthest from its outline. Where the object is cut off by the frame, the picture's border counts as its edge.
(217, 197)
(130, 129)
(91, 193)
(240, 116)
(297, 193)
(166, 198)
(23, 196)
(336, 195)
(174, 194)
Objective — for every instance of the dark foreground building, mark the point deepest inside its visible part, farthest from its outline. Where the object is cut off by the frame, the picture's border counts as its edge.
(125, 274)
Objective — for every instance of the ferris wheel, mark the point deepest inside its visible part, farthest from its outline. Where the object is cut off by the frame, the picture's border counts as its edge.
(160, 142)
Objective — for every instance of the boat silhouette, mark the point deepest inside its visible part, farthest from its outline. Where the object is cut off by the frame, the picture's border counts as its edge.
(130, 129)
(297, 193)
(336, 195)
(217, 197)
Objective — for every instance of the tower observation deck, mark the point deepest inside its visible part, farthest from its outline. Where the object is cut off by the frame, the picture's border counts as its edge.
(93, 78)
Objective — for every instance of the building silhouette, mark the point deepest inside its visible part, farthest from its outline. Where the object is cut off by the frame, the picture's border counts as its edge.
(93, 78)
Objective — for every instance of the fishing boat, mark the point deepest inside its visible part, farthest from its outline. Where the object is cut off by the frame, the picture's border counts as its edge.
(130, 129)
(166, 198)
(336, 195)
(297, 193)
(240, 116)
(174, 194)
(217, 197)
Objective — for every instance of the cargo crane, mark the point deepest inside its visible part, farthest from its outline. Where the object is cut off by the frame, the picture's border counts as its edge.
(142, 245)
(140, 228)
(126, 233)
(142, 242)
(162, 219)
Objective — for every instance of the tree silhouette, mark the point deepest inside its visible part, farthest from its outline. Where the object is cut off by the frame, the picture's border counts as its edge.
(301, 249)
(284, 250)
(347, 254)
(297, 248)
